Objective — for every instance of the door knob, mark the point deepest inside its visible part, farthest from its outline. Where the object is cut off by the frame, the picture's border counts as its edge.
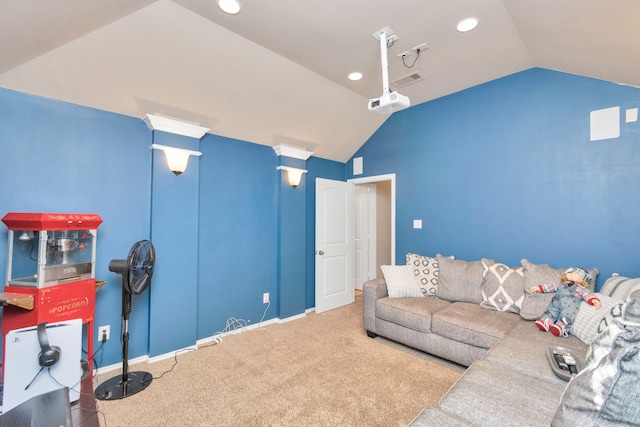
(320, 252)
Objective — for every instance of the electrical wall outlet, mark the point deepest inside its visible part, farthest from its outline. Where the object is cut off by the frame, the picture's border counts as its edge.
(104, 331)
(404, 54)
(265, 298)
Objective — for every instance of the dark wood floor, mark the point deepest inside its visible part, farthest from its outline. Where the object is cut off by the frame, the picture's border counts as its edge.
(83, 412)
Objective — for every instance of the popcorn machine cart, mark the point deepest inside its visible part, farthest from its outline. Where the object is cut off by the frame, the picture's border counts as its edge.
(50, 271)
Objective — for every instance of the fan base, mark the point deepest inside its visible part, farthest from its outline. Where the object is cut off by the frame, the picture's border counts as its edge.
(115, 388)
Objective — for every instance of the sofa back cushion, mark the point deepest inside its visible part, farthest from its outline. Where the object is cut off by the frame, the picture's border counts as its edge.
(620, 287)
(459, 280)
(534, 305)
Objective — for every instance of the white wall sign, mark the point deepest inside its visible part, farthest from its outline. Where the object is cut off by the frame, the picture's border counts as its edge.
(605, 124)
(357, 166)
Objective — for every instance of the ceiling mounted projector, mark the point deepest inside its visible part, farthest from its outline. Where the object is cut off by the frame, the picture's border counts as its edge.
(388, 102)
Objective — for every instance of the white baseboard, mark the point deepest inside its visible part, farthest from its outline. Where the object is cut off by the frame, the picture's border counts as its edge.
(118, 366)
(199, 343)
(292, 318)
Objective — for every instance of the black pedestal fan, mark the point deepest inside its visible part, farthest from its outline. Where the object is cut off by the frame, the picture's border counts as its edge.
(136, 273)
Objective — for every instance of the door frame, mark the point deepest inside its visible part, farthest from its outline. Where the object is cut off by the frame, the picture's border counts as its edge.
(378, 178)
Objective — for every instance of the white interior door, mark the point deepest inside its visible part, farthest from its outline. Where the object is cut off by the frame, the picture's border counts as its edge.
(365, 234)
(385, 212)
(334, 244)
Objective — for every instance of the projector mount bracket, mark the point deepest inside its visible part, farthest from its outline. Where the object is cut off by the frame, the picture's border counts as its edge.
(385, 36)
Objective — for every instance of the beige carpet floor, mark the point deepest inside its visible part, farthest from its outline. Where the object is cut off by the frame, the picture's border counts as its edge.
(320, 370)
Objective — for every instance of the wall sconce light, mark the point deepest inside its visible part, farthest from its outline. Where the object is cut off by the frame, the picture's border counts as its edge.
(177, 158)
(294, 174)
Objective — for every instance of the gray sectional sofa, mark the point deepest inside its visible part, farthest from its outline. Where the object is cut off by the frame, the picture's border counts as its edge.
(480, 315)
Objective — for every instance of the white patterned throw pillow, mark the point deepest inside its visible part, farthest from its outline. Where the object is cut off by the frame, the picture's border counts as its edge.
(401, 282)
(503, 287)
(426, 271)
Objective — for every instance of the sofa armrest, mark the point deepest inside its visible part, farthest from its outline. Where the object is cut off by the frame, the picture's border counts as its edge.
(372, 290)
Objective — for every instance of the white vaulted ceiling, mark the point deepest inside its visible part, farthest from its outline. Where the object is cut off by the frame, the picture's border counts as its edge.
(276, 73)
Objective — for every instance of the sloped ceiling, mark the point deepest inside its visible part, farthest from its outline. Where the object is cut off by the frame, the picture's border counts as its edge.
(277, 72)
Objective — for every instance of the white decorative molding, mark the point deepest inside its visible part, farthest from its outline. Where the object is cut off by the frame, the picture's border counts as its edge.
(178, 127)
(293, 152)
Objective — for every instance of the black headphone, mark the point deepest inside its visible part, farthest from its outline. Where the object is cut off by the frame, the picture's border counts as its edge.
(49, 355)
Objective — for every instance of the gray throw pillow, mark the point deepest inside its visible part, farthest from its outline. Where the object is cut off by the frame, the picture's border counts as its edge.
(459, 280)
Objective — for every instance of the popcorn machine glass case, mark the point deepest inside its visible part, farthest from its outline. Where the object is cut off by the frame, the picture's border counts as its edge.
(50, 249)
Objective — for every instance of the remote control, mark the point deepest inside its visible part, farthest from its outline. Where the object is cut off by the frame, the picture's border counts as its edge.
(563, 362)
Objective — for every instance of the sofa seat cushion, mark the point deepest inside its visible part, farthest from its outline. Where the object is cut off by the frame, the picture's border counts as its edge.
(471, 324)
(412, 313)
(524, 350)
(491, 395)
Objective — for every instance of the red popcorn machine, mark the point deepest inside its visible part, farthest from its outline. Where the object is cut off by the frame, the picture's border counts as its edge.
(50, 271)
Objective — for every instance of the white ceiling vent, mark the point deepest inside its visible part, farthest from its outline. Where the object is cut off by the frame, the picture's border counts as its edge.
(407, 80)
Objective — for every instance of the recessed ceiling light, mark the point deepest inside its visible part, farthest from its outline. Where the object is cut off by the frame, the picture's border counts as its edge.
(467, 24)
(230, 6)
(355, 76)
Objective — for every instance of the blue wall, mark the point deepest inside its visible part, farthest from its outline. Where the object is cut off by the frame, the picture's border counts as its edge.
(292, 242)
(59, 157)
(174, 233)
(215, 227)
(237, 232)
(506, 170)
